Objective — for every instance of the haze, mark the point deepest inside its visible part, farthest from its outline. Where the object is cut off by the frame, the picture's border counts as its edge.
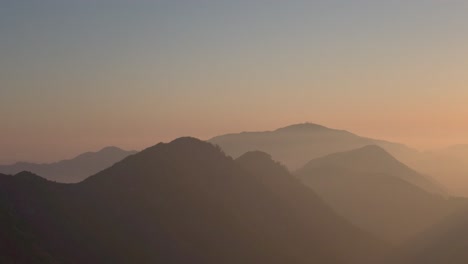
(80, 75)
(233, 132)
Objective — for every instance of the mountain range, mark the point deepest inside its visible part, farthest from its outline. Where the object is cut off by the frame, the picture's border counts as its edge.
(181, 202)
(295, 145)
(449, 165)
(339, 198)
(378, 193)
(71, 170)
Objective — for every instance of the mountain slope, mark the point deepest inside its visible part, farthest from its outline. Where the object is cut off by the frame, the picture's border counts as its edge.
(295, 145)
(72, 170)
(18, 243)
(182, 202)
(376, 192)
(306, 204)
(445, 242)
(374, 159)
(449, 164)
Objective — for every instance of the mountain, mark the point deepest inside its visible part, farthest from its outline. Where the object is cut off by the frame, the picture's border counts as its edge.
(460, 150)
(181, 202)
(377, 192)
(295, 145)
(17, 243)
(445, 242)
(72, 170)
(449, 165)
(307, 205)
(374, 159)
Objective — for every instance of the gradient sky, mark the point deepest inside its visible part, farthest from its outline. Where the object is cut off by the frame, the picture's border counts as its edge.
(80, 75)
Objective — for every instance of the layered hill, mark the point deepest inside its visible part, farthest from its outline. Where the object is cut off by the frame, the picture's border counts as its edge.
(181, 202)
(377, 192)
(295, 145)
(72, 170)
(449, 164)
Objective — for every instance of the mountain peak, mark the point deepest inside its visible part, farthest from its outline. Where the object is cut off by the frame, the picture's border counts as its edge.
(111, 149)
(193, 153)
(256, 155)
(371, 149)
(373, 159)
(188, 140)
(25, 174)
(302, 127)
(28, 176)
(367, 156)
(182, 144)
(260, 159)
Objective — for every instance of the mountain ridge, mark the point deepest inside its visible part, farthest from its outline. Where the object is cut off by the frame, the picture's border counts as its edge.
(369, 187)
(373, 158)
(296, 144)
(71, 170)
(183, 202)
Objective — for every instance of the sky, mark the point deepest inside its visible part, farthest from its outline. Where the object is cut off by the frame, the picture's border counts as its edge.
(81, 75)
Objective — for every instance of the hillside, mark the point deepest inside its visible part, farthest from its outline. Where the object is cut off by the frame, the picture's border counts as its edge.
(296, 145)
(181, 202)
(72, 170)
(376, 192)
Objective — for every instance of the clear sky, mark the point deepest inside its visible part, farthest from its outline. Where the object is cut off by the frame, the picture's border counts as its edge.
(80, 75)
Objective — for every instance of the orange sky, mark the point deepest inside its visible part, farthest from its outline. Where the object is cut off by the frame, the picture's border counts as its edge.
(78, 76)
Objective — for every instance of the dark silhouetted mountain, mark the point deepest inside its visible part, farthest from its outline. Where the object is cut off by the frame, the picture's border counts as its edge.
(73, 170)
(18, 244)
(377, 192)
(181, 202)
(295, 145)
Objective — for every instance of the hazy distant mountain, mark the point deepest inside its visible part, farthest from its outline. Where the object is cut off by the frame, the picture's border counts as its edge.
(377, 192)
(449, 165)
(374, 159)
(182, 202)
(295, 145)
(73, 170)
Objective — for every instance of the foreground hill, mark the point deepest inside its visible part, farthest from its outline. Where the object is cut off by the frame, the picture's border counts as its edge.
(18, 242)
(72, 170)
(295, 145)
(182, 202)
(377, 192)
